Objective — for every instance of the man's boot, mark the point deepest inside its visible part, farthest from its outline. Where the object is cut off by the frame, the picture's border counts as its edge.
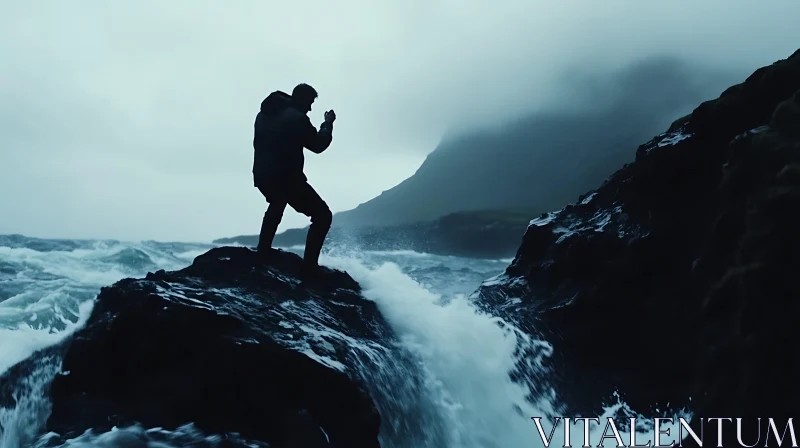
(314, 241)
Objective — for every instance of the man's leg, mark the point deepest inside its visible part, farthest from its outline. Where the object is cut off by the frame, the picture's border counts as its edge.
(305, 200)
(270, 222)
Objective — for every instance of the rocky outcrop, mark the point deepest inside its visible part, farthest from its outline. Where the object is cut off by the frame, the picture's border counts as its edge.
(232, 344)
(673, 283)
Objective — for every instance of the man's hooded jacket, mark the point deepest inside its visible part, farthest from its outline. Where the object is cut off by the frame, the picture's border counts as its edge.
(281, 133)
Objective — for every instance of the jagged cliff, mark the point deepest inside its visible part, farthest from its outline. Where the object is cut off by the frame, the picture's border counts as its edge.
(673, 283)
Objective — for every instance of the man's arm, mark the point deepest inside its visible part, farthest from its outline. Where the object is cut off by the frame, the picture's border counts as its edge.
(318, 141)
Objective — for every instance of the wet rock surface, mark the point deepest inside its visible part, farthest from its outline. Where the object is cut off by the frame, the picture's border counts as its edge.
(233, 343)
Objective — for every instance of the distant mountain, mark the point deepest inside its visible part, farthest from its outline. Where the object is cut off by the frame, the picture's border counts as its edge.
(547, 159)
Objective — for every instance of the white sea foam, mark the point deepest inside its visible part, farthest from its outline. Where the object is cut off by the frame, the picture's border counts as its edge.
(17, 344)
(467, 353)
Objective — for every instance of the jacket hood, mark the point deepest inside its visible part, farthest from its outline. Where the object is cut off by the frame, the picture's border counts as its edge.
(275, 102)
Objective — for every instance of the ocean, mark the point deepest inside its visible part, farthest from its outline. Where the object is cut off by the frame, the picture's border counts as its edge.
(47, 289)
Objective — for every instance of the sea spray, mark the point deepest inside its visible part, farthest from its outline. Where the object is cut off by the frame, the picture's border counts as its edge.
(467, 355)
(20, 423)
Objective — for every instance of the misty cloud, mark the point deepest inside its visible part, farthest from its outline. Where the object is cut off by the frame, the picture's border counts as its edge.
(544, 160)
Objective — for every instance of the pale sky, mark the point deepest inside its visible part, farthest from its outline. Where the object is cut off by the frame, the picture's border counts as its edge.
(133, 120)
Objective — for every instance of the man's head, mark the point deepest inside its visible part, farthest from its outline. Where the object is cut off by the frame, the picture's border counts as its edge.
(303, 97)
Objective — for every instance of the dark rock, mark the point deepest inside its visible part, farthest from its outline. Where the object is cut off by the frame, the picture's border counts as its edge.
(233, 343)
(674, 282)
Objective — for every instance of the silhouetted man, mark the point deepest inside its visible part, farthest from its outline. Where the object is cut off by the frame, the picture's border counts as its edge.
(282, 130)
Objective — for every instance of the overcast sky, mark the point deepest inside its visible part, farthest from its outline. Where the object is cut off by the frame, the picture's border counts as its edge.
(133, 120)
